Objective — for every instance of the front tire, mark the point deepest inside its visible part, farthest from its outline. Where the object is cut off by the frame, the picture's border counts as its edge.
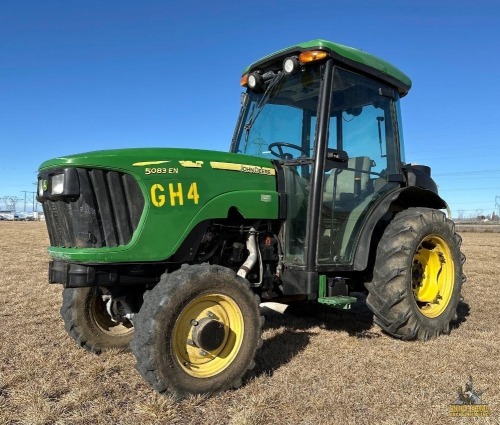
(89, 324)
(197, 331)
(417, 275)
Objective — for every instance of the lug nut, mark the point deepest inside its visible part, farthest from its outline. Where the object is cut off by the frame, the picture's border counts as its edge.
(203, 353)
(190, 342)
(194, 322)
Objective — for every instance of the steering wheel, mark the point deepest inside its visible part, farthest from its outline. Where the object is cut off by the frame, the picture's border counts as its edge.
(280, 145)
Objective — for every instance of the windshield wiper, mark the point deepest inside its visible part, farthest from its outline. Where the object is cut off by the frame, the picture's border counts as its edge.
(263, 100)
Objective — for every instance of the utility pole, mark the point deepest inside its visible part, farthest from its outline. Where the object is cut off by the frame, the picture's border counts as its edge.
(10, 202)
(33, 208)
(35, 202)
(25, 192)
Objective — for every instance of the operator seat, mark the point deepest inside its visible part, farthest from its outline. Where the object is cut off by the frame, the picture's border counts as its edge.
(345, 187)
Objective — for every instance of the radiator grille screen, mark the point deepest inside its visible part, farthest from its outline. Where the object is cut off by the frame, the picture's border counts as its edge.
(106, 213)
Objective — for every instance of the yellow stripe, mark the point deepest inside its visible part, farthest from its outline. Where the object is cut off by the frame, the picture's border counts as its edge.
(243, 168)
(142, 164)
(191, 164)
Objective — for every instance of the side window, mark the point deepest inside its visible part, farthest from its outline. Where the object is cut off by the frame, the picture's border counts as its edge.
(364, 136)
(362, 133)
(362, 125)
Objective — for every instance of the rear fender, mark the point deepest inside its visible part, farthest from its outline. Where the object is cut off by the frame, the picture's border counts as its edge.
(383, 213)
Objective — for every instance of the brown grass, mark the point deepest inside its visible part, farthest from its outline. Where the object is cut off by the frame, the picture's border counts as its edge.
(335, 367)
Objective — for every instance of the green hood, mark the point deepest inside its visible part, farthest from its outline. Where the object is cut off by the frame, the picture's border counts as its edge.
(181, 188)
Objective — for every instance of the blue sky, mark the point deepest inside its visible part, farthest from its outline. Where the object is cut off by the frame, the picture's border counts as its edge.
(77, 76)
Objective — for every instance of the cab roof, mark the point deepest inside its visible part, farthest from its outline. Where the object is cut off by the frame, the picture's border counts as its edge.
(350, 57)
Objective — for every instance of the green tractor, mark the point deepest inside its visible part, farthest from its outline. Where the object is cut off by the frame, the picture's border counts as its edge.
(170, 251)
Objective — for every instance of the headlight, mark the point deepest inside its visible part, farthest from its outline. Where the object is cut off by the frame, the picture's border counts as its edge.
(57, 184)
(255, 81)
(42, 186)
(290, 65)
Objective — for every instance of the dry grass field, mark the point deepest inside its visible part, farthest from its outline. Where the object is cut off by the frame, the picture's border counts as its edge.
(332, 368)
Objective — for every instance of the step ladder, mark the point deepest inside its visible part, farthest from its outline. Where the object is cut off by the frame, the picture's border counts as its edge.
(343, 302)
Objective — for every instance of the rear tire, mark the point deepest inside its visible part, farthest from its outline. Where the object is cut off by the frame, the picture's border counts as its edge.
(197, 331)
(417, 275)
(89, 324)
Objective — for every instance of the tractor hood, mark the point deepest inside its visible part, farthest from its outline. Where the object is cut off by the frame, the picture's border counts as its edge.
(141, 204)
(140, 158)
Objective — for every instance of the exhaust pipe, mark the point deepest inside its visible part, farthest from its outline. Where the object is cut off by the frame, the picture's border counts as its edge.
(252, 257)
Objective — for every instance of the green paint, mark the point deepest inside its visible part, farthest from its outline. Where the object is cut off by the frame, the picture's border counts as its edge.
(163, 226)
(340, 52)
(322, 286)
(342, 302)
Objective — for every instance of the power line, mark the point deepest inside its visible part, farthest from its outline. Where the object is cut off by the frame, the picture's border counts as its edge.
(469, 188)
(447, 157)
(469, 203)
(472, 173)
(454, 148)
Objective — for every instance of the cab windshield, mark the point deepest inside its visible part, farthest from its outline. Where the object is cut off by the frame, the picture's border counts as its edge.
(281, 122)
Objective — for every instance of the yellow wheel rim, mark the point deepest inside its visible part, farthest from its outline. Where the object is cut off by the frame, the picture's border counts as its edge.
(433, 276)
(218, 310)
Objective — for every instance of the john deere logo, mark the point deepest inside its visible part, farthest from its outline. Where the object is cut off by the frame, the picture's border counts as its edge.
(44, 185)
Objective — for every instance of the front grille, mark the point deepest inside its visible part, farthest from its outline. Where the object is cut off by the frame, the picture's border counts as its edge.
(106, 213)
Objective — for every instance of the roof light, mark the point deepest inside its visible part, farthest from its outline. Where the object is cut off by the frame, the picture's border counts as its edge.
(312, 55)
(290, 65)
(255, 81)
(244, 80)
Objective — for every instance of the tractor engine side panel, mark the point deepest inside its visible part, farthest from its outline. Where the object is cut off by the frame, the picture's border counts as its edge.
(120, 209)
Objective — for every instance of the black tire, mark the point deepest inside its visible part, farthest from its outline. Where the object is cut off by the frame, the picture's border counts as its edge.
(197, 309)
(417, 275)
(89, 324)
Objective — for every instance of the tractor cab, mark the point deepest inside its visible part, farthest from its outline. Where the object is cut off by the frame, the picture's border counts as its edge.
(334, 136)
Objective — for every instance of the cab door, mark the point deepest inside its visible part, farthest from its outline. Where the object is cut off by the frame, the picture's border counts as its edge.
(363, 125)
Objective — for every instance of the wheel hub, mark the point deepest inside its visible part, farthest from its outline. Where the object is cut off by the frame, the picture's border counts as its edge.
(106, 320)
(432, 276)
(209, 334)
